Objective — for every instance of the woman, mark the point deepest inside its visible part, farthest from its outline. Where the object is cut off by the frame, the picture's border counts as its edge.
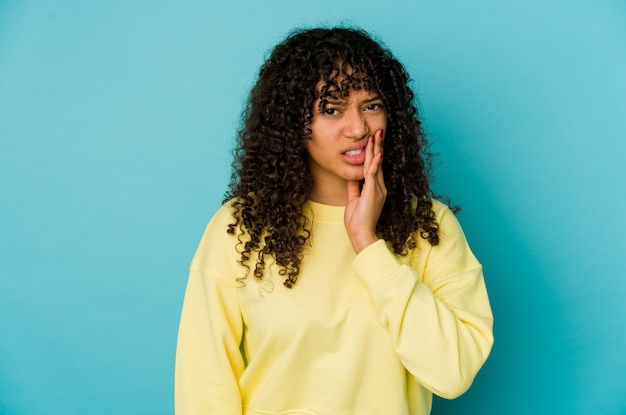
(330, 282)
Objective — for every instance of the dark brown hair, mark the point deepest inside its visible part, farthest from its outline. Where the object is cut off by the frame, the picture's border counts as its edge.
(271, 179)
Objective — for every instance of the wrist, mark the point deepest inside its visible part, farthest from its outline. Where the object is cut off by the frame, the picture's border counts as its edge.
(363, 242)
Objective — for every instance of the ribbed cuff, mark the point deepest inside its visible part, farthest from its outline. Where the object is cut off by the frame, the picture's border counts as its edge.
(375, 263)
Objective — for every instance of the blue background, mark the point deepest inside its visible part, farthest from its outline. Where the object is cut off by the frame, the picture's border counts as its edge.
(116, 126)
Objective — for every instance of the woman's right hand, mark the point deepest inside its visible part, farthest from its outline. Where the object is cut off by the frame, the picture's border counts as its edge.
(365, 203)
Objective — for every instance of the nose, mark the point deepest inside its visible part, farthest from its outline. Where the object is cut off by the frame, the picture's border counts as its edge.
(355, 125)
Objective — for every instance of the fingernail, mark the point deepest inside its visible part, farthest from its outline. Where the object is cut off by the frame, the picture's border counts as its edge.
(382, 132)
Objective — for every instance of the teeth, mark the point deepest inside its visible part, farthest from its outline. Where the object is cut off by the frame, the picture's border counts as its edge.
(354, 152)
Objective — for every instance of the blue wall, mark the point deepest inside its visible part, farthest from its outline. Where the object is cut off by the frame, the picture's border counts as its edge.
(116, 123)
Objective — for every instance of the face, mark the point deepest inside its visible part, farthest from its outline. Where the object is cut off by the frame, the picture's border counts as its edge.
(339, 134)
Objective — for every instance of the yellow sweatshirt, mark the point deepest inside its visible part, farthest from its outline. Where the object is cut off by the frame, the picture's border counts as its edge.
(358, 334)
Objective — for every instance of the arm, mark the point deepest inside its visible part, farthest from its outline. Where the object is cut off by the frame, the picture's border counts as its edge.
(440, 322)
(208, 360)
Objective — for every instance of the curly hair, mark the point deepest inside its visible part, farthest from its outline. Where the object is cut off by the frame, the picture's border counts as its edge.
(271, 179)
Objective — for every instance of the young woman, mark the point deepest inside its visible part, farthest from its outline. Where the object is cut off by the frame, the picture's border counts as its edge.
(331, 282)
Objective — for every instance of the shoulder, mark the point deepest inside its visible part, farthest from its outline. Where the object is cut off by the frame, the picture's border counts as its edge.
(216, 241)
(449, 226)
(224, 214)
(220, 222)
(453, 245)
(452, 242)
(440, 209)
(443, 215)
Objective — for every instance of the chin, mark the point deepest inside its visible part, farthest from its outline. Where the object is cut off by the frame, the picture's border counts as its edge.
(355, 177)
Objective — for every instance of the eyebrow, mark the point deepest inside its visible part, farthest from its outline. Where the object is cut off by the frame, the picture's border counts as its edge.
(343, 102)
(372, 99)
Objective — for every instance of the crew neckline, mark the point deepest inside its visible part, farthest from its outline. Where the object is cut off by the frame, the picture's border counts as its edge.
(325, 213)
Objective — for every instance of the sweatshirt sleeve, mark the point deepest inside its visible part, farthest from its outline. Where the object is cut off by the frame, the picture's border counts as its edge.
(208, 360)
(440, 322)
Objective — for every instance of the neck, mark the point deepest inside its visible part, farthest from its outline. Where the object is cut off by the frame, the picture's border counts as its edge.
(329, 196)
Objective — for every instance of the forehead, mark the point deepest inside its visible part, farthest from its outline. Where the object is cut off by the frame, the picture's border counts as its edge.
(341, 87)
(353, 95)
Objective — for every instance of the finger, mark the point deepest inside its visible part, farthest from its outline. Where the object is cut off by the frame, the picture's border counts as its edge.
(354, 190)
(380, 179)
(378, 142)
(377, 149)
(375, 173)
(379, 156)
(374, 182)
(369, 155)
(377, 153)
(376, 170)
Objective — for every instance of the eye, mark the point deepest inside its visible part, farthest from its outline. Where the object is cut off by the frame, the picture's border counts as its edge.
(374, 107)
(330, 111)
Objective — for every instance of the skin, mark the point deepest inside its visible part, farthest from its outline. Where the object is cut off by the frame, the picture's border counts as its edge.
(356, 124)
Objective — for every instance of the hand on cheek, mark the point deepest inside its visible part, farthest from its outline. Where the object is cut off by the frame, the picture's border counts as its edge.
(365, 204)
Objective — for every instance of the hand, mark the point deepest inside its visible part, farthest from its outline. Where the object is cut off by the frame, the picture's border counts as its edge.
(365, 204)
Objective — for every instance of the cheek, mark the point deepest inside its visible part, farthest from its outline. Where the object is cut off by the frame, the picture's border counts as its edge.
(384, 120)
(310, 147)
(378, 121)
(315, 150)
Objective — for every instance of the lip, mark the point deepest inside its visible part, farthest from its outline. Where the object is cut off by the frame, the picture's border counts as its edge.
(355, 146)
(357, 159)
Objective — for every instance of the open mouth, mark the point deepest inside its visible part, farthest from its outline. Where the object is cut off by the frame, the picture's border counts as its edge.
(355, 156)
(353, 152)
